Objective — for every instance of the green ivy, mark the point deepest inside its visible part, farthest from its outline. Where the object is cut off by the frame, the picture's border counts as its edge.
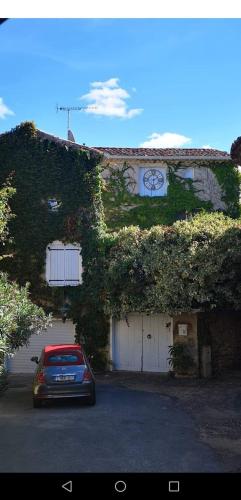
(228, 178)
(123, 208)
(41, 169)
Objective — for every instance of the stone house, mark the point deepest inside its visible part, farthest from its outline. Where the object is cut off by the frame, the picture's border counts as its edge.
(141, 342)
(148, 169)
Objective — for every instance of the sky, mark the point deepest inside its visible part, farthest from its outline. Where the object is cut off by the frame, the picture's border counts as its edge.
(145, 82)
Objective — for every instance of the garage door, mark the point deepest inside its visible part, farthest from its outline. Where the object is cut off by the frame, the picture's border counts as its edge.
(140, 343)
(60, 333)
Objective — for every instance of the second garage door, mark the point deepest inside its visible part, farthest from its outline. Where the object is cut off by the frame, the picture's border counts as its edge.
(140, 343)
(59, 333)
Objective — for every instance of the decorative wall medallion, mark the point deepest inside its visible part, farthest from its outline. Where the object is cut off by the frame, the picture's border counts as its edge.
(153, 179)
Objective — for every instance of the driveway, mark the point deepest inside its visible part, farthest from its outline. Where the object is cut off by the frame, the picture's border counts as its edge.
(128, 430)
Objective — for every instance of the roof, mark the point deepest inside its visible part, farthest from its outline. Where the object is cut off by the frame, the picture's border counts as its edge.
(65, 142)
(142, 153)
(163, 153)
(61, 347)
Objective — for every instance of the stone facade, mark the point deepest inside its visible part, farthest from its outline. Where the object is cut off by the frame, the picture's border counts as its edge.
(187, 323)
(208, 187)
(205, 181)
(221, 332)
(213, 338)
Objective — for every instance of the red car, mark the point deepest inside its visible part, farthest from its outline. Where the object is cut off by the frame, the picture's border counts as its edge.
(63, 371)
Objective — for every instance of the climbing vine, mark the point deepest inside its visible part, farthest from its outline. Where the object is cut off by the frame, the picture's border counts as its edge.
(43, 170)
(228, 178)
(125, 208)
(118, 273)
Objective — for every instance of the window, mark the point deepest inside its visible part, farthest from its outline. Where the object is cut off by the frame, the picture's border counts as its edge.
(63, 264)
(186, 173)
(64, 359)
(53, 204)
(153, 181)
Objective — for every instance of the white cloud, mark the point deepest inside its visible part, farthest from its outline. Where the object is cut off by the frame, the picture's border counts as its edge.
(109, 99)
(165, 140)
(4, 110)
(206, 146)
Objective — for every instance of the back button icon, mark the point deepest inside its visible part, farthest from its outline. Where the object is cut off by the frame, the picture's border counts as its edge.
(68, 486)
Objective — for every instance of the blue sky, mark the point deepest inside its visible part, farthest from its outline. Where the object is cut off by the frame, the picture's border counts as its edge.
(152, 82)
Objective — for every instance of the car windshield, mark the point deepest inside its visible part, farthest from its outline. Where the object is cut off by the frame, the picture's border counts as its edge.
(64, 359)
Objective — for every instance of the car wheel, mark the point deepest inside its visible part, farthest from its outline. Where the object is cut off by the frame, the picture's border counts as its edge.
(92, 399)
(37, 403)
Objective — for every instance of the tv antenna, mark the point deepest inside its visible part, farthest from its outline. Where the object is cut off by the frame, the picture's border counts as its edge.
(68, 109)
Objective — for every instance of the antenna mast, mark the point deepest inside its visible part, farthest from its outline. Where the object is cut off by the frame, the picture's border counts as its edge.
(68, 109)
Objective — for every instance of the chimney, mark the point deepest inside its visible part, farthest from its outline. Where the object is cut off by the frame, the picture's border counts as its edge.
(70, 136)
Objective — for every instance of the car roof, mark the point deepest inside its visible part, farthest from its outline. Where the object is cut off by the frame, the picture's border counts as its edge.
(61, 347)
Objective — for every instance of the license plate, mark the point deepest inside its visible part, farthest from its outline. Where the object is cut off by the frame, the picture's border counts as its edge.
(64, 378)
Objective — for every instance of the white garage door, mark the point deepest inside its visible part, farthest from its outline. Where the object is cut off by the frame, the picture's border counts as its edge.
(60, 333)
(141, 342)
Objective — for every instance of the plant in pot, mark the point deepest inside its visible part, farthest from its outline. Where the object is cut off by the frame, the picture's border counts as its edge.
(180, 360)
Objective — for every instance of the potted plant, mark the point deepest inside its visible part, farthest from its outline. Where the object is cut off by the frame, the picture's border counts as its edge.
(180, 360)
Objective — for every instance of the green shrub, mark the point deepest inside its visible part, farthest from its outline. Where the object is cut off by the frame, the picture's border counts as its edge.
(180, 359)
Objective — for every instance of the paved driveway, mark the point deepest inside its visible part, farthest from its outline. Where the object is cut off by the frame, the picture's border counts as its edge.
(127, 430)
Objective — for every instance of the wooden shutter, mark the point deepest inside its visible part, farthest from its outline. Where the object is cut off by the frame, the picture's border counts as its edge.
(64, 265)
(56, 268)
(72, 266)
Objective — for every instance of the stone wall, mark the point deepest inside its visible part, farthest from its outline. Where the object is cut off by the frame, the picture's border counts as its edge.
(208, 187)
(206, 183)
(222, 331)
(191, 340)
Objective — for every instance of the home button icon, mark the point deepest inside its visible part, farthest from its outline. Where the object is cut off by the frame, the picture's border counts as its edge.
(120, 486)
(174, 487)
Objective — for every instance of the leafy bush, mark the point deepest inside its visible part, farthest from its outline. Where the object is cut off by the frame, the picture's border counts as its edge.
(180, 358)
(193, 264)
(3, 378)
(19, 317)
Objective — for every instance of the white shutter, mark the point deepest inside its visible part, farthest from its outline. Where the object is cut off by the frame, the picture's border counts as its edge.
(56, 274)
(63, 265)
(72, 266)
(153, 181)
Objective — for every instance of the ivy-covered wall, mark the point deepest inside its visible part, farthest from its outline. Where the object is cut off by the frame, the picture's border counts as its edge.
(39, 170)
(229, 179)
(185, 197)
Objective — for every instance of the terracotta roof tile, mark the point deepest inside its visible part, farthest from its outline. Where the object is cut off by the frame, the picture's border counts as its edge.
(158, 153)
(163, 152)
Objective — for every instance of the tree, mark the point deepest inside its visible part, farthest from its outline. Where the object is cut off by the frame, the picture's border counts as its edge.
(19, 317)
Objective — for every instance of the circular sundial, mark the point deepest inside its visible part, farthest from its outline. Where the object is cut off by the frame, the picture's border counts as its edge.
(153, 179)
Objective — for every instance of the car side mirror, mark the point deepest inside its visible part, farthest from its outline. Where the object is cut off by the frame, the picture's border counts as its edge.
(35, 359)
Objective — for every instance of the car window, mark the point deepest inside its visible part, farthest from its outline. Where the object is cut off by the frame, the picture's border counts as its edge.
(64, 359)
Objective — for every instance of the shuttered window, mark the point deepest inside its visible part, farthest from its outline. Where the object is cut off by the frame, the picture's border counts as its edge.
(63, 265)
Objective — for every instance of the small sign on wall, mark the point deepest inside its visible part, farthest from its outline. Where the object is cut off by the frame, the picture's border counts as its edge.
(182, 329)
